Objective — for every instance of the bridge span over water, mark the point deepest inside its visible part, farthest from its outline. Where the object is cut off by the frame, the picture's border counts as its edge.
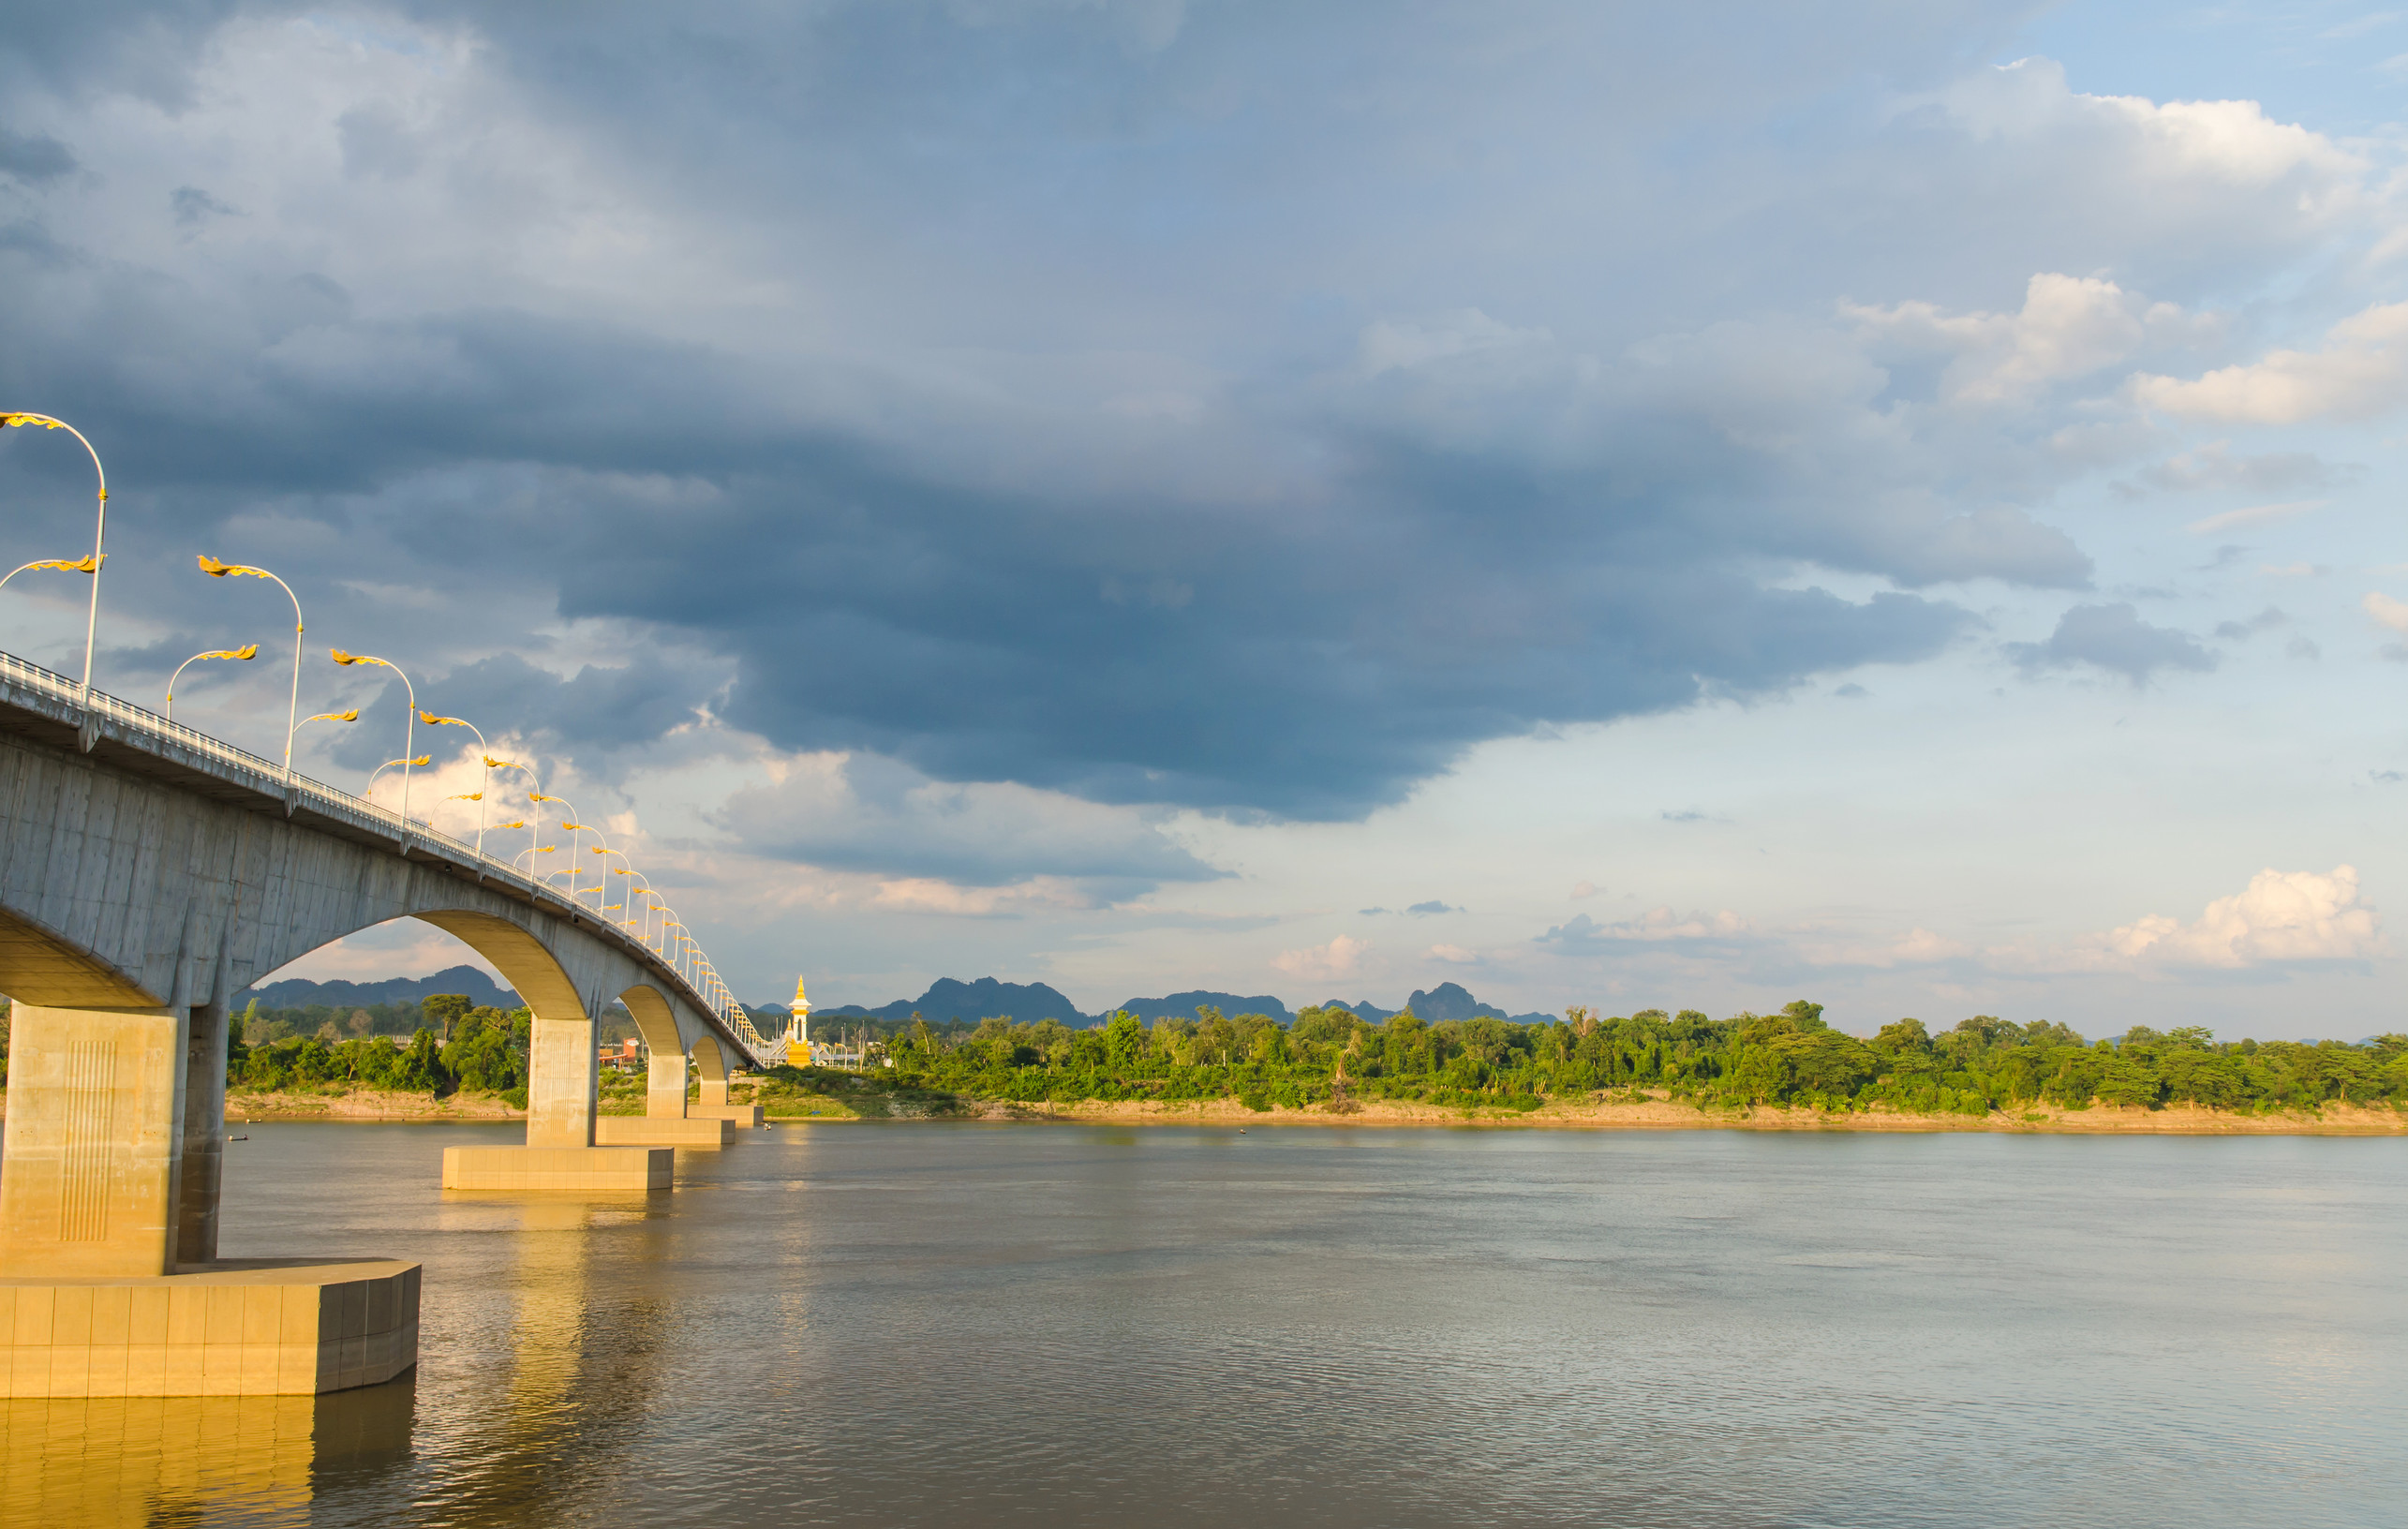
(148, 872)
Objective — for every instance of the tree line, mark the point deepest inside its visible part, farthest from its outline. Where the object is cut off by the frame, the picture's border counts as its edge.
(1331, 1056)
(482, 1050)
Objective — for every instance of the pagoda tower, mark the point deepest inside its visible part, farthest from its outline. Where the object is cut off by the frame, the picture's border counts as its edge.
(798, 1026)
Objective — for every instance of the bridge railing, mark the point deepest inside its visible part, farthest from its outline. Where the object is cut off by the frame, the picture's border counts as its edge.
(269, 778)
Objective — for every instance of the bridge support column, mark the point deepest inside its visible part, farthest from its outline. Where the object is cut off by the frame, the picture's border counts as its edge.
(97, 1294)
(89, 1184)
(563, 1083)
(205, 1134)
(713, 1103)
(664, 1086)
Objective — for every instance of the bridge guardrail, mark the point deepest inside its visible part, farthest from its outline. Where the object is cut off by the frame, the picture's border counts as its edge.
(269, 779)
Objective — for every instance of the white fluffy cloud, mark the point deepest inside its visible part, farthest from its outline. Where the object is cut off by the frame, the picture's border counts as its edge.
(1338, 959)
(2360, 370)
(2069, 327)
(2282, 916)
(2391, 613)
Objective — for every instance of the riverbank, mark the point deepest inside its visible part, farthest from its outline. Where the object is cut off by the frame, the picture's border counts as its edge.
(1648, 1113)
(366, 1105)
(1655, 1113)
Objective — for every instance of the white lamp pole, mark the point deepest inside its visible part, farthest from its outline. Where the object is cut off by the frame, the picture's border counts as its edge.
(216, 570)
(100, 534)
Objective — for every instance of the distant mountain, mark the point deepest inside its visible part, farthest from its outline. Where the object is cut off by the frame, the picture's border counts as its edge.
(1449, 1000)
(1361, 1008)
(947, 999)
(297, 992)
(1184, 1005)
(1029, 1001)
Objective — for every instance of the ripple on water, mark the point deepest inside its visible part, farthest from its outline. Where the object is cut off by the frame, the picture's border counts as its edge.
(913, 1324)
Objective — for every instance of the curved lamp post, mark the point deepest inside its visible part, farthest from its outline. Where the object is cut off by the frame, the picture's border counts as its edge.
(216, 570)
(419, 762)
(528, 854)
(478, 795)
(99, 535)
(78, 565)
(602, 888)
(535, 817)
(408, 726)
(244, 654)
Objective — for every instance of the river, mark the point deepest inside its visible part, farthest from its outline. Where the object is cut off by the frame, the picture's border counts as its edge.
(951, 1324)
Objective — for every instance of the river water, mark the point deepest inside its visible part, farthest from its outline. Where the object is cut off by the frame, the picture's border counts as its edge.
(956, 1324)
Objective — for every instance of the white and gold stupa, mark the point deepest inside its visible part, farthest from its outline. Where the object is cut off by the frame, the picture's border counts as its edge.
(798, 1023)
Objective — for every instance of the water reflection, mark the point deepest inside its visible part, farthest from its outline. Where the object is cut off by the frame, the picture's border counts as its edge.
(66, 1462)
(876, 1326)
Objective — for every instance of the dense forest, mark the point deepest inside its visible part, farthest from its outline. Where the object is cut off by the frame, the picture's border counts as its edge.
(1331, 1057)
(477, 1049)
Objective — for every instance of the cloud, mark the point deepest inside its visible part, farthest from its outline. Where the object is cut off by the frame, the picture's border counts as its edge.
(1454, 956)
(1139, 506)
(2361, 370)
(1432, 906)
(34, 157)
(2214, 467)
(1584, 936)
(2385, 610)
(2241, 632)
(2114, 638)
(2069, 327)
(2255, 515)
(192, 207)
(2280, 918)
(861, 813)
(1584, 889)
(1337, 958)
(1917, 947)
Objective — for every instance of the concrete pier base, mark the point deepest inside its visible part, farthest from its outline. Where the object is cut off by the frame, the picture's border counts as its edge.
(589, 1168)
(250, 1327)
(746, 1116)
(654, 1131)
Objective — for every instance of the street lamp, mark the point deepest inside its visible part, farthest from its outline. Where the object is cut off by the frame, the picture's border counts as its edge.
(80, 565)
(216, 570)
(601, 886)
(244, 654)
(408, 727)
(528, 854)
(479, 798)
(99, 535)
(419, 762)
(535, 814)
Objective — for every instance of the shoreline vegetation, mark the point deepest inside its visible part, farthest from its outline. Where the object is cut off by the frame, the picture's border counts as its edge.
(1648, 1071)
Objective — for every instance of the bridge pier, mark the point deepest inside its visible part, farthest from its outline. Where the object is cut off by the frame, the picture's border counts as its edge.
(109, 1283)
(713, 1105)
(563, 1087)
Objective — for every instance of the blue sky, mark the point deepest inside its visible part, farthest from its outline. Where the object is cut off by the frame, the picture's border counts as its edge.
(1692, 507)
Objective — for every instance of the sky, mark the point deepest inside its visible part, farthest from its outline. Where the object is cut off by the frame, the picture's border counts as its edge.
(1635, 505)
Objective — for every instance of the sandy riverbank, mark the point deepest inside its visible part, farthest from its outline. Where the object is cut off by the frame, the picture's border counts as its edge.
(1658, 1114)
(1645, 1114)
(367, 1105)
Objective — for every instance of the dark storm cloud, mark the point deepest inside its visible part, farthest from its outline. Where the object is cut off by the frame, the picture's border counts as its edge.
(33, 158)
(1354, 562)
(2115, 639)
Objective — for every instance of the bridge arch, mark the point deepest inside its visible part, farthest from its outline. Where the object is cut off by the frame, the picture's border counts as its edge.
(655, 1021)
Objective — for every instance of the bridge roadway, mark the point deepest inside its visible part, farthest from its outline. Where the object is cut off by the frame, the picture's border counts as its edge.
(148, 872)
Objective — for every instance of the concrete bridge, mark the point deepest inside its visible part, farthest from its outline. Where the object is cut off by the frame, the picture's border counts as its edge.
(149, 872)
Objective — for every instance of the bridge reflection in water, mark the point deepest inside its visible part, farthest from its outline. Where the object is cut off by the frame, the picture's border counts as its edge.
(563, 1376)
(68, 1463)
